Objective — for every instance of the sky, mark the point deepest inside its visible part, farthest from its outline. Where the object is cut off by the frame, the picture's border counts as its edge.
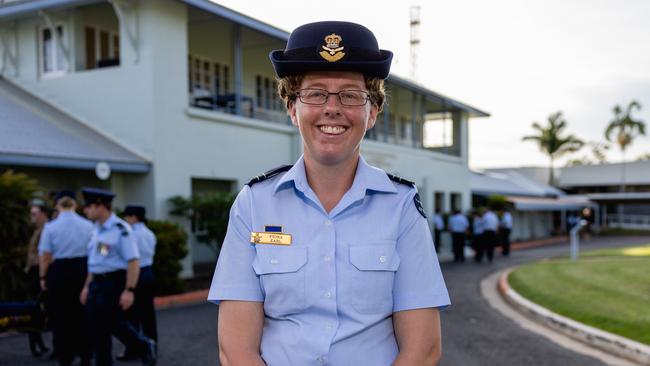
(520, 61)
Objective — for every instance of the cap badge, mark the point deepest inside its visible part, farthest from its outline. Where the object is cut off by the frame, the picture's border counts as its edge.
(333, 51)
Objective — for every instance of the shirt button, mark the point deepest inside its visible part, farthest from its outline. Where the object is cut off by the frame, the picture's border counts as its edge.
(327, 258)
(328, 223)
(327, 294)
(382, 259)
(274, 261)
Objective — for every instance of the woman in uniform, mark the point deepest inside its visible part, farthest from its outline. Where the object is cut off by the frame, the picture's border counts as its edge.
(329, 261)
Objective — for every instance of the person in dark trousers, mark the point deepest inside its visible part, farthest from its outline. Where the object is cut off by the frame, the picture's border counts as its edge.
(505, 227)
(458, 225)
(438, 227)
(38, 215)
(63, 268)
(490, 226)
(113, 269)
(478, 242)
(142, 314)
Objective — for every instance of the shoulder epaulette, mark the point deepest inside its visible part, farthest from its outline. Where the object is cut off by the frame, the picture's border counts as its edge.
(270, 174)
(397, 179)
(416, 199)
(123, 229)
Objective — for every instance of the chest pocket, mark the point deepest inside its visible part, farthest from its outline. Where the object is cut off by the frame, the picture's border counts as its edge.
(282, 277)
(374, 274)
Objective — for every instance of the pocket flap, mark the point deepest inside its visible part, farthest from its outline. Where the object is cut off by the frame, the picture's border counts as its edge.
(279, 259)
(382, 257)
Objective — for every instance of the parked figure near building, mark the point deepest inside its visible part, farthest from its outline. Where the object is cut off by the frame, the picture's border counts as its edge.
(329, 261)
(478, 241)
(113, 269)
(505, 227)
(38, 215)
(142, 315)
(458, 225)
(438, 227)
(490, 222)
(63, 261)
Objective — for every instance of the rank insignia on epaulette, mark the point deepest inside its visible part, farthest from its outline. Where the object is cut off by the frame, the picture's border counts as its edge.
(272, 235)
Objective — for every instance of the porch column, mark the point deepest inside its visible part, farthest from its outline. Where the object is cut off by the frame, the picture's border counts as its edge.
(238, 72)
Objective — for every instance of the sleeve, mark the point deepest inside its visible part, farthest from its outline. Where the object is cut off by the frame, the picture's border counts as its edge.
(129, 246)
(45, 243)
(418, 280)
(234, 277)
(148, 247)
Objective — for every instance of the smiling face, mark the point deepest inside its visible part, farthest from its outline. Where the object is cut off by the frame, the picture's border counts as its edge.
(332, 132)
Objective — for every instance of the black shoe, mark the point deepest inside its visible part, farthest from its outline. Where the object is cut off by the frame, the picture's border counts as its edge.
(150, 355)
(128, 355)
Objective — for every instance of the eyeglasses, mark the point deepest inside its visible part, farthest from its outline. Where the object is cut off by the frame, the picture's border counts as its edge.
(350, 98)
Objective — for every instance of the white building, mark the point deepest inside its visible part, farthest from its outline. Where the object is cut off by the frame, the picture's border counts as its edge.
(178, 97)
(538, 210)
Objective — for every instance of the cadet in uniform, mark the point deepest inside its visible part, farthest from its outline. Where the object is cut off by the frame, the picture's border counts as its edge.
(505, 227)
(329, 261)
(113, 269)
(490, 226)
(142, 314)
(63, 261)
(458, 225)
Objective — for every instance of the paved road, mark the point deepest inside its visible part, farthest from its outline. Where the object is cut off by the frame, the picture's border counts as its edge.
(473, 332)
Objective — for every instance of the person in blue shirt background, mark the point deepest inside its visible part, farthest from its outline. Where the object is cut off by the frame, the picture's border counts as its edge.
(63, 267)
(142, 315)
(113, 269)
(329, 261)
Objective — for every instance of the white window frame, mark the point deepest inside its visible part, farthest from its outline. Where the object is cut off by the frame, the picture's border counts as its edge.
(58, 70)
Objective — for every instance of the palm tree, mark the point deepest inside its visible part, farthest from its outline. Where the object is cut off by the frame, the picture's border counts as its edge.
(551, 140)
(626, 130)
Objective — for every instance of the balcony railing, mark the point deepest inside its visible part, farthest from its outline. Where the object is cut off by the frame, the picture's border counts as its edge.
(626, 221)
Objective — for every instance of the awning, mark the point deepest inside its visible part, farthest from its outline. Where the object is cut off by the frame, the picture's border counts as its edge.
(33, 133)
(549, 204)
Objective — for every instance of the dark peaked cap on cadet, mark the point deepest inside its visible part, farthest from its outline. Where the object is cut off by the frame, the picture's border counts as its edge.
(135, 210)
(97, 196)
(64, 193)
(332, 46)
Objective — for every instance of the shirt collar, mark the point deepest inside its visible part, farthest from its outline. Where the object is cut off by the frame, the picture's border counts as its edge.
(366, 178)
(110, 222)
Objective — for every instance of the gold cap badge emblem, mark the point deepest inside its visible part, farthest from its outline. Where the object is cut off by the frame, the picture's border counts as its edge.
(332, 51)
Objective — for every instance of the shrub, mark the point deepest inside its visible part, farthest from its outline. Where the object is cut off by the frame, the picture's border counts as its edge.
(208, 214)
(171, 248)
(16, 190)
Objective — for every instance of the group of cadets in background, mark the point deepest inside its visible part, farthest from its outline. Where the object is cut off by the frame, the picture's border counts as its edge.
(96, 272)
(485, 231)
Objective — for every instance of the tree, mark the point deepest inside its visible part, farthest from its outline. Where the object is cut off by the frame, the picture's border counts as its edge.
(170, 250)
(598, 150)
(626, 130)
(551, 140)
(643, 157)
(208, 214)
(16, 191)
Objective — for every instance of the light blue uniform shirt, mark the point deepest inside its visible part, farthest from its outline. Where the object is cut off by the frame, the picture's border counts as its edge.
(477, 227)
(66, 236)
(490, 221)
(330, 295)
(146, 243)
(458, 223)
(111, 246)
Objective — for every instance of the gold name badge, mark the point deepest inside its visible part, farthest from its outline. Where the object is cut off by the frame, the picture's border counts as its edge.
(271, 238)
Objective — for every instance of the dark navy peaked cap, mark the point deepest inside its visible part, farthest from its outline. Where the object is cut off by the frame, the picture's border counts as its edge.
(64, 193)
(135, 210)
(97, 195)
(332, 46)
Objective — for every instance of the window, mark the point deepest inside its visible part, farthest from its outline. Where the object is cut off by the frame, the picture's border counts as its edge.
(226, 79)
(404, 127)
(266, 93)
(102, 48)
(439, 201)
(455, 201)
(438, 130)
(52, 58)
(258, 91)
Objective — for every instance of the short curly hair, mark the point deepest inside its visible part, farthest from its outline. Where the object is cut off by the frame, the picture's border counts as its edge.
(288, 89)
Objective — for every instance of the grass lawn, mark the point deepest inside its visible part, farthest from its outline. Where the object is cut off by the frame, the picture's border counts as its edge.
(607, 289)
